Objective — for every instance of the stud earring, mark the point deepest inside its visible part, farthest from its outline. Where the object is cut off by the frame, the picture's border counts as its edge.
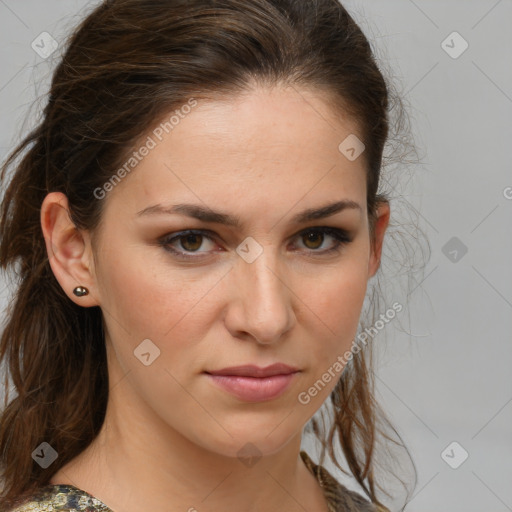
(80, 291)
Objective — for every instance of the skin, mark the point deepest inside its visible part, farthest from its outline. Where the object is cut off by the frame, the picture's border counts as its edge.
(170, 438)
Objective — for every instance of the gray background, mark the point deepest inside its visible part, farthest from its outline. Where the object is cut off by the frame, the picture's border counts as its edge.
(444, 373)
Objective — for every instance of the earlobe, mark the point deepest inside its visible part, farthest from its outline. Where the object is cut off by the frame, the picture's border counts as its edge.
(68, 250)
(80, 291)
(381, 224)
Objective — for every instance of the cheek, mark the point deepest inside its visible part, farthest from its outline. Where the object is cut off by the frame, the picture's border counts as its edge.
(334, 310)
(150, 298)
(337, 300)
(339, 304)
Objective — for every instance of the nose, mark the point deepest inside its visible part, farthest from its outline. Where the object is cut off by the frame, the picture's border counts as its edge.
(261, 306)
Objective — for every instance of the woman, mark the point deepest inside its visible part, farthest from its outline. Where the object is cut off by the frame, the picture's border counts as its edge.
(195, 222)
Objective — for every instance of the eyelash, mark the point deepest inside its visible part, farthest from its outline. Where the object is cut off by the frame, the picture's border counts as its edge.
(340, 235)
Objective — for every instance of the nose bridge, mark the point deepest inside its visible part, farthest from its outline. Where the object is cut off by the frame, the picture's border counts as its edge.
(264, 295)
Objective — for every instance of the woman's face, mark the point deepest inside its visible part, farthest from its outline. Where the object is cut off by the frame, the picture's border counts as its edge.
(272, 289)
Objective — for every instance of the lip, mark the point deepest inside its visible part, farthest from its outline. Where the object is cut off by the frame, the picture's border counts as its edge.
(251, 383)
(251, 370)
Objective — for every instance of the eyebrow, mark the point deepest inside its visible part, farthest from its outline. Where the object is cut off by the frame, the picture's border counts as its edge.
(208, 215)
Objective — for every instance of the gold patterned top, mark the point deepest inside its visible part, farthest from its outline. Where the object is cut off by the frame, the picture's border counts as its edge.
(65, 497)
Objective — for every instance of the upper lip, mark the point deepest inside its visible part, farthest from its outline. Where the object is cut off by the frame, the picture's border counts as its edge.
(250, 370)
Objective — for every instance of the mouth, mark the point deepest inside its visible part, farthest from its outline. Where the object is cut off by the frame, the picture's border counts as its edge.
(251, 383)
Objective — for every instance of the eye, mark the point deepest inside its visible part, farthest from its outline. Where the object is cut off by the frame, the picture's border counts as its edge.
(313, 238)
(190, 241)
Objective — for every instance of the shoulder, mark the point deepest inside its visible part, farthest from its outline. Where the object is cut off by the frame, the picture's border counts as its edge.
(338, 496)
(61, 498)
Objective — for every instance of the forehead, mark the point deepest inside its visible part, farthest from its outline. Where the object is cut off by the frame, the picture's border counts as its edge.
(270, 145)
(266, 122)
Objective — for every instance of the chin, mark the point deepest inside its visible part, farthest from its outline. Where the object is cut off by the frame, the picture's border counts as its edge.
(251, 441)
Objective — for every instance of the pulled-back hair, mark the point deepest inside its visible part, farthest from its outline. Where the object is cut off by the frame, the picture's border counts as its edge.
(127, 64)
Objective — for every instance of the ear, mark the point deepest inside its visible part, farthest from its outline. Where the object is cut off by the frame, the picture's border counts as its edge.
(381, 224)
(69, 249)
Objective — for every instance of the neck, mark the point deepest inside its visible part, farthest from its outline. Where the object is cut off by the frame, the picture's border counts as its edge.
(137, 462)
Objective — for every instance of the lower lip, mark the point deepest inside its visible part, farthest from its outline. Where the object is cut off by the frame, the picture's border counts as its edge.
(254, 389)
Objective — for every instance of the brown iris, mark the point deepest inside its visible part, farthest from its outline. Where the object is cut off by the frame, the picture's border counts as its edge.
(311, 236)
(191, 237)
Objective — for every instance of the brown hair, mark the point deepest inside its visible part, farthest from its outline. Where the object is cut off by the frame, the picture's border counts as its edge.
(127, 63)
